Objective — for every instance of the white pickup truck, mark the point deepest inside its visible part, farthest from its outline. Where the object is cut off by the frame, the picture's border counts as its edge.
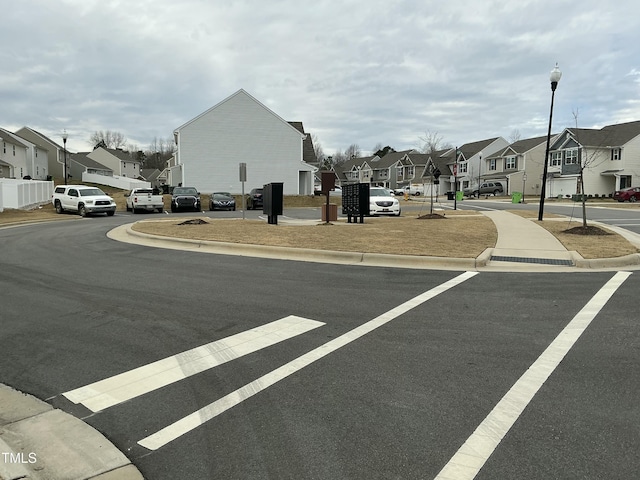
(414, 189)
(143, 199)
(82, 199)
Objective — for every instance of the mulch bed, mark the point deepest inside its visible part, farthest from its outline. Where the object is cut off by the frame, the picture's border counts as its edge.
(588, 230)
(431, 216)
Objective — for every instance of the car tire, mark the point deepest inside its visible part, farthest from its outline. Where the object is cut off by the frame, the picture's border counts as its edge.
(128, 208)
(82, 211)
(417, 194)
(111, 213)
(496, 192)
(58, 206)
(632, 199)
(173, 209)
(160, 210)
(211, 207)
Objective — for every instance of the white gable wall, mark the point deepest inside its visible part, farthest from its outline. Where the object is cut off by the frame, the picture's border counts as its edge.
(240, 129)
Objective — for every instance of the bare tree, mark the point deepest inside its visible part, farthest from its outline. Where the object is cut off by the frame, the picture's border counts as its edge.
(317, 148)
(159, 151)
(377, 147)
(353, 151)
(110, 138)
(431, 142)
(586, 161)
(515, 135)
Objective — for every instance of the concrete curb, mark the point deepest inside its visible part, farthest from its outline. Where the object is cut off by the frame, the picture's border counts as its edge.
(125, 233)
(43, 443)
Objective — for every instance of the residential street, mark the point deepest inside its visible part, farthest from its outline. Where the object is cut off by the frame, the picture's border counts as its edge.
(366, 373)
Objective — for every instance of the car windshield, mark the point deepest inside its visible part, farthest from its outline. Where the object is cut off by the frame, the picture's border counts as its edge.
(185, 191)
(90, 192)
(221, 196)
(379, 192)
(222, 193)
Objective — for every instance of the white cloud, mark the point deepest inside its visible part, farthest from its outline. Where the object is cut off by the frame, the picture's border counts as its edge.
(352, 71)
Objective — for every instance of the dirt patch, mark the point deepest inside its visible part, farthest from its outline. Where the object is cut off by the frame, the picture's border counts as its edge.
(464, 237)
(431, 216)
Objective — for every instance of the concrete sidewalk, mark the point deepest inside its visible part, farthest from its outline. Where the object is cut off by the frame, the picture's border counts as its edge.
(42, 443)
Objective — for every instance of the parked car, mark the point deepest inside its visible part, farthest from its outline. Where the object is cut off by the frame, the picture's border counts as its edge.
(82, 199)
(222, 201)
(486, 188)
(631, 194)
(381, 202)
(254, 199)
(185, 198)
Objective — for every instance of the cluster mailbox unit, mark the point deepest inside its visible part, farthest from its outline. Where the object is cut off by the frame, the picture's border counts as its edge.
(272, 201)
(355, 201)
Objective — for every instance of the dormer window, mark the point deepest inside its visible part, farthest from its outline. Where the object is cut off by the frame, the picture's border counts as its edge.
(510, 163)
(571, 157)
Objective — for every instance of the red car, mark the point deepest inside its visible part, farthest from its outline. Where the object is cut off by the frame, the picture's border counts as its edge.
(632, 194)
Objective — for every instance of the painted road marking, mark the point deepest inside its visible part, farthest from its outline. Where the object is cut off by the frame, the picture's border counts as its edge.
(473, 454)
(196, 419)
(125, 386)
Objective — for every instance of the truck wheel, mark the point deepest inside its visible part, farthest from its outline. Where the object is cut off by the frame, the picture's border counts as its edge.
(417, 194)
(59, 208)
(134, 210)
(496, 192)
(128, 208)
(110, 213)
(160, 209)
(82, 211)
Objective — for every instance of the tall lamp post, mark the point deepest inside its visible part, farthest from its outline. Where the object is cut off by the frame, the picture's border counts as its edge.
(554, 78)
(479, 169)
(65, 135)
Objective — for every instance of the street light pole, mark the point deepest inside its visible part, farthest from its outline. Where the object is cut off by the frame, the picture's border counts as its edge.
(65, 135)
(555, 76)
(479, 169)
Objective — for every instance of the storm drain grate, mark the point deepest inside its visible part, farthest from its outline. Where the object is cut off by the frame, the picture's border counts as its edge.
(543, 261)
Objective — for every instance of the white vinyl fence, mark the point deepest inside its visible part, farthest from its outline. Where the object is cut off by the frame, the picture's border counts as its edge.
(117, 181)
(15, 193)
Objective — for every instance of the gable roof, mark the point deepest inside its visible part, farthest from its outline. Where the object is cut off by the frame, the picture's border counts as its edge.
(609, 136)
(13, 138)
(468, 150)
(521, 146)
(82, 159)
(230, 97)
(308, 152)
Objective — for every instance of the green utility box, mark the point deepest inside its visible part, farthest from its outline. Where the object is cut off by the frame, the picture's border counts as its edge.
(459, 196)
(516, 197)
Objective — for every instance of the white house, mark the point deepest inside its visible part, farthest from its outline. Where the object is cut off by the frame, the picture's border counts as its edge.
(20, 158)
(609, 158)
(55, 152)
(121, 163)
(237, 130)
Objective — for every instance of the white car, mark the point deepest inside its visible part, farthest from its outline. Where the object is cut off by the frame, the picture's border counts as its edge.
(381, 202)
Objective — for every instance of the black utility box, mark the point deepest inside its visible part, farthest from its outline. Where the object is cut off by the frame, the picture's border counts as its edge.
(272, 201)
(355, 201)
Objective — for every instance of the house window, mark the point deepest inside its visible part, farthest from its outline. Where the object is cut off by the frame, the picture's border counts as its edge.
(14, 154)
(616, 154)
(4, 147)
(462, 168)
(492, 164)
(510, 163)
(410, 171)
(625, 181)
(556, 159)
(124, 164)
(571, 157)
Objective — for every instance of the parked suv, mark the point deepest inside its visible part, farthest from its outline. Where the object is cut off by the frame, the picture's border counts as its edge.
(185, 198)
(82, 199)
(255, 199)
(487, 188)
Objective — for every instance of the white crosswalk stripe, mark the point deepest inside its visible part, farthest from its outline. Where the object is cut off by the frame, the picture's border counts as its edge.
(125, 386)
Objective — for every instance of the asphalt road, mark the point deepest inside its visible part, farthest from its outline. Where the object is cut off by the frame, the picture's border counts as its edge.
(387, 382)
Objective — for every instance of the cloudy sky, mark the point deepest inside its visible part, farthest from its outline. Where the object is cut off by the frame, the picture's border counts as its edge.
(354, 71)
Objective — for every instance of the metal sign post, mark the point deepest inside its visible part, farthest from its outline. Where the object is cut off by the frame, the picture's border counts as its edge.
(243, 178)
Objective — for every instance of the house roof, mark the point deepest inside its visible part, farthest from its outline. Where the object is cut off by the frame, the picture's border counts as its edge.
(150, 173)
(121, 154)
(609, 136)
(239, 92)
(308, 152)
(82, 159)
(468, 150)
(13, 138)
(40, 135)
(388, 160)
(521, 146)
